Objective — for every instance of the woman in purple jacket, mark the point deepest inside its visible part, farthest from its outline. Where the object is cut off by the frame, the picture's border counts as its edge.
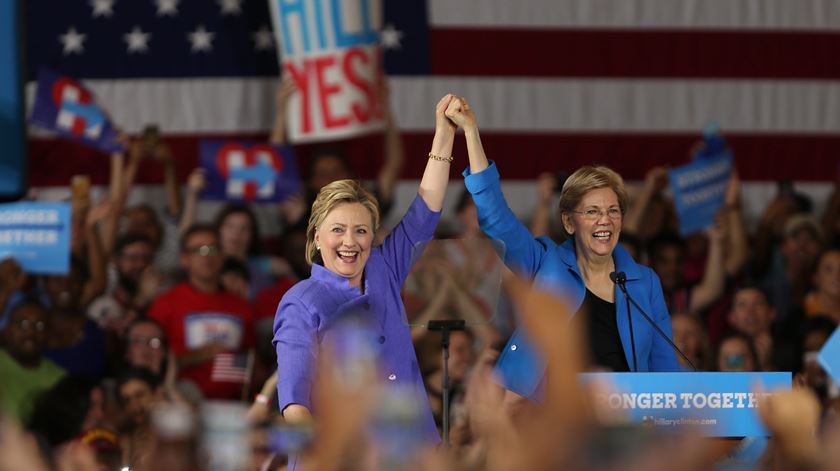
(349, 273)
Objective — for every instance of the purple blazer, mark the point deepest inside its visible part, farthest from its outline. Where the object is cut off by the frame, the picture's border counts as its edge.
(308, 312)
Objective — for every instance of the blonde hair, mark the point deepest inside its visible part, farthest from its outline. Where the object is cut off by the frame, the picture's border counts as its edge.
(330, 196)
(586, 179)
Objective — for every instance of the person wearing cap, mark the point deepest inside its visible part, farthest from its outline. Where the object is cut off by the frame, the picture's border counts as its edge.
(584, 270)
(790, 276)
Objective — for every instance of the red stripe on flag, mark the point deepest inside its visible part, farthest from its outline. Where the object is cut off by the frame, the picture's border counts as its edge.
(520, 156)
(635, 53)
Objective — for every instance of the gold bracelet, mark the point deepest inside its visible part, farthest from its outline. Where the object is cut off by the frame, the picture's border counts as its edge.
(441, 159)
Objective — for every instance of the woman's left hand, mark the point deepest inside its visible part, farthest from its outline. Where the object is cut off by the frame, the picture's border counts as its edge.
(442, 123)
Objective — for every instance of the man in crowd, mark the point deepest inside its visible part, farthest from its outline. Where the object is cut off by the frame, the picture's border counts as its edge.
(24, 372)
(208, 328)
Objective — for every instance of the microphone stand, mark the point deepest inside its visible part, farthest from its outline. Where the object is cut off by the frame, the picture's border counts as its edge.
(620, 279)
(445, 327)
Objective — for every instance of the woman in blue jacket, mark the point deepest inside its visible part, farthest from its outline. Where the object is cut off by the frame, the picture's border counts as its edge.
(592, 205)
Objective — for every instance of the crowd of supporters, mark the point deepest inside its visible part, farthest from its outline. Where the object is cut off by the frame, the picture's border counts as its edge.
(118, 362)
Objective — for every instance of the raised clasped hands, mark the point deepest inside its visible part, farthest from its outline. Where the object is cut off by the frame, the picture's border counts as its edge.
(460, 113)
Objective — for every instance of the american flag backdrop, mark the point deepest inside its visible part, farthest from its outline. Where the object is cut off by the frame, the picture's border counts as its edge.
(555, 83)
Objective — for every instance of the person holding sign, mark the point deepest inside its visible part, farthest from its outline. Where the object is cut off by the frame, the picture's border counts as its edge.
(582, 269)
(348, 270)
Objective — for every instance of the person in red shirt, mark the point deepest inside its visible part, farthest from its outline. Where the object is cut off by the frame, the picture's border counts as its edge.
(209, 330)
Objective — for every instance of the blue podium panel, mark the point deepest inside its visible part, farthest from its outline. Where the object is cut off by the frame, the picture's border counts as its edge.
(712, 404)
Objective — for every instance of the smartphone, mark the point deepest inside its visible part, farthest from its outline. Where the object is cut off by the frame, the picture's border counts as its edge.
(151, 137)
(80, 191)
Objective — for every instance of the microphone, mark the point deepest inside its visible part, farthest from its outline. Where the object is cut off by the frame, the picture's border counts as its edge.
(620, 278)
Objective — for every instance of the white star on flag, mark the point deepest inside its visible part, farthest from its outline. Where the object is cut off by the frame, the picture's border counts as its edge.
(390, 37)
(102, 8)
(167, 7)
(263, 39)
(201, 39)
(137, 40)
(72, 41)
(231, 7)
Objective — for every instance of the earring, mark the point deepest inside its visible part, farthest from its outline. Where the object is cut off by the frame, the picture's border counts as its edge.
(318, 247)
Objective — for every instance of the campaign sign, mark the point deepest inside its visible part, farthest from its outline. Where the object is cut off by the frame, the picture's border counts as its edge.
(330, 49)
(699, 190)
(829, 356)
(248, 171)
(37, 236)
(65, 106)
(712, 404)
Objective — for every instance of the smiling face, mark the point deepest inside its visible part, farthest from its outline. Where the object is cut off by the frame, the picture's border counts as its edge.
(235, 234)
(345, 238)
(595, 222)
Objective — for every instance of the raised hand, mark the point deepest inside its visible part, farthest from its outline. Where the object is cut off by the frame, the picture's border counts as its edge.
(197, 181)
(460, 113)
(442, 123)
(285, 90)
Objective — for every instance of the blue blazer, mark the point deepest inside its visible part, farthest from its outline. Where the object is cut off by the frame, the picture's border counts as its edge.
(554, 267)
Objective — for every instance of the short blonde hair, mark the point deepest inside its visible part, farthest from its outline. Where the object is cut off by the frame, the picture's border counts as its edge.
(586, 179)
(330, 196)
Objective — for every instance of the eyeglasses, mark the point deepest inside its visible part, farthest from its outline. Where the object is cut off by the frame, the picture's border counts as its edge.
(26, 324)
(151, 342)
(593, 214)
(204, 250)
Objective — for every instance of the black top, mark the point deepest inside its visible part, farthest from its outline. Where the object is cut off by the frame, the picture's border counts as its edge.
(605, 346)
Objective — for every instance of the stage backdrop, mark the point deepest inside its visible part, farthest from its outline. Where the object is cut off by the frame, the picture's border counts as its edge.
(555, 83)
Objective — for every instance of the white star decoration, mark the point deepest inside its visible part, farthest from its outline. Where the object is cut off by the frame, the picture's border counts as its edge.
(167, 7)
(102, 8)
(390, 37)
(231, 7)
(137, 40)
(72, 41)
(201, 39)
(263, 39)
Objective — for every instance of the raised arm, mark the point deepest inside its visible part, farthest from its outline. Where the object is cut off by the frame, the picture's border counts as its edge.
(394, 151)
(436, 176)
(284, 92)
(522, 252)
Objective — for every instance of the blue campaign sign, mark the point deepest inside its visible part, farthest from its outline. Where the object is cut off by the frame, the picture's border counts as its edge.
(829, 356)
(712, 404)
(65, 106)
(248, 171)
(37, 236)
(699, 190)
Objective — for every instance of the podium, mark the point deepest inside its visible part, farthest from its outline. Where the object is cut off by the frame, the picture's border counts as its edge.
(711, 404)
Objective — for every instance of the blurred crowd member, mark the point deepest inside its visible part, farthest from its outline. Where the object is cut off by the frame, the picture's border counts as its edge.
(74, 342)
(752, 315)
(651, 213)
(62, 413)
(24, 371)
(204, 324)
(239, 238)
(12, 282)
(462, 357)
(667, 256)
(808, 372)
(790, 264)
(736, 352)
(137, 392)
(831, 215)
(133, 284)
(236, 278)
(690, 337)
(824, 298)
